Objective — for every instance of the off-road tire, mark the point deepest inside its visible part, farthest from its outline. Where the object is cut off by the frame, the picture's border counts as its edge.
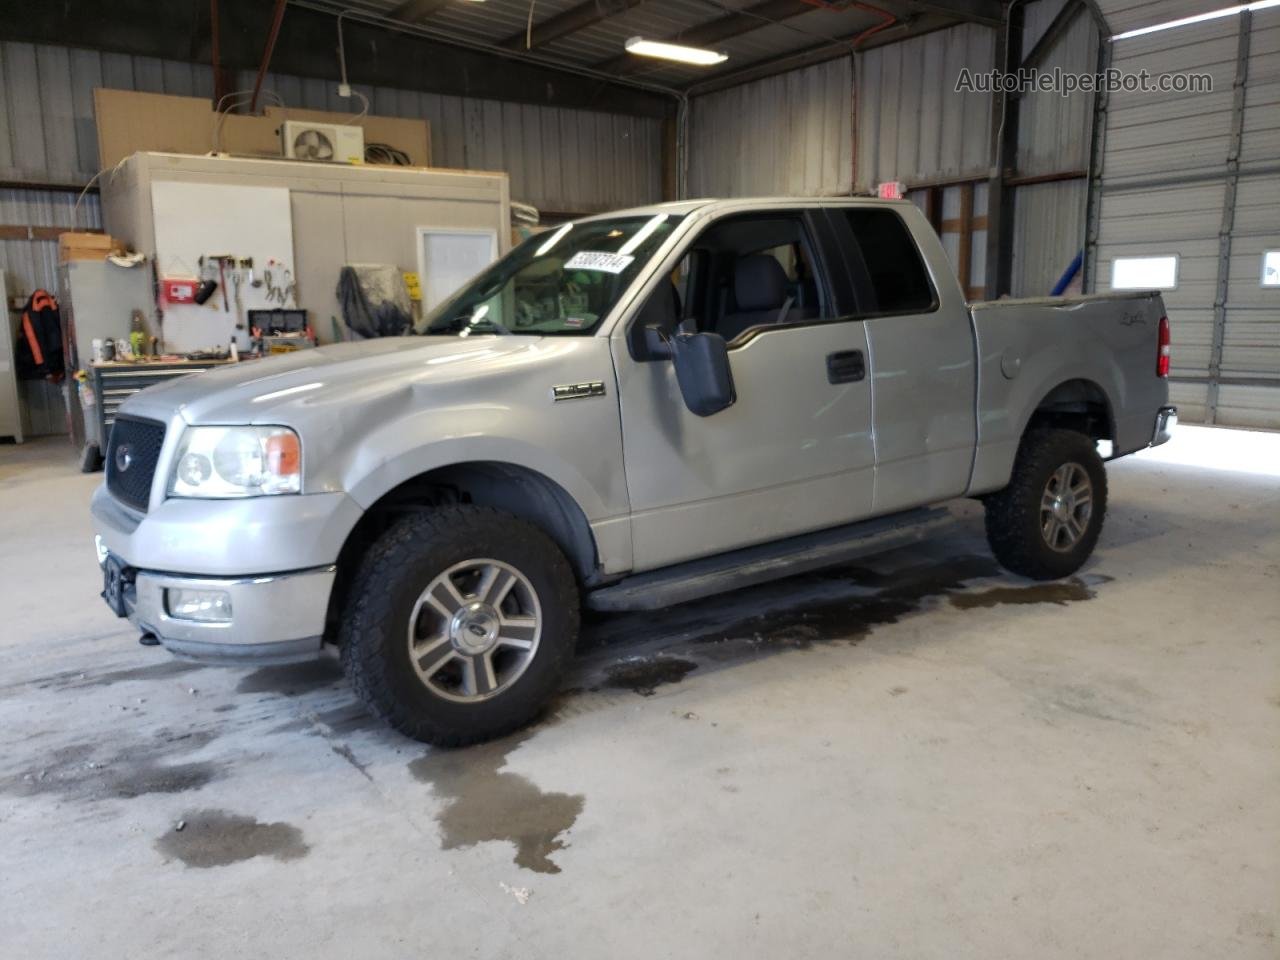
(395, 570)
(1013, 514)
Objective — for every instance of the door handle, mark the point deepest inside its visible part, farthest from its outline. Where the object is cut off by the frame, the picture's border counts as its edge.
(847, 366)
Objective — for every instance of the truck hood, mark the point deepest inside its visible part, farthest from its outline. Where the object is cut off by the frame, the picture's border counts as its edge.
(280, 389)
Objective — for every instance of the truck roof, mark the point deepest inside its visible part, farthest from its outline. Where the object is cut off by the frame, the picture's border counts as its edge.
(688, 206)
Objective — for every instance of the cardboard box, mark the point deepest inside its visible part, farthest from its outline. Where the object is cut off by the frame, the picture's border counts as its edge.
(84, 246)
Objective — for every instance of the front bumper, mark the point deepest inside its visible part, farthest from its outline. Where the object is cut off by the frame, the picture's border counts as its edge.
(278, 615)
(274, 619)
(1166, 421)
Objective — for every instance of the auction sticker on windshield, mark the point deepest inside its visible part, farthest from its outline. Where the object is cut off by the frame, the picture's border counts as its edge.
(596, 260)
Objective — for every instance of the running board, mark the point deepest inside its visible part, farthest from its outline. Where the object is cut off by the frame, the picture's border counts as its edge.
(695, 579)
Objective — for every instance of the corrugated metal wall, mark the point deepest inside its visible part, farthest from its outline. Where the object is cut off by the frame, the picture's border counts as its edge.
(573, 160)
(912, 125)
(1167, 188)
(1251, 337)
(1053, 138)
(559, 159)
(788, 134)
(1122, 15)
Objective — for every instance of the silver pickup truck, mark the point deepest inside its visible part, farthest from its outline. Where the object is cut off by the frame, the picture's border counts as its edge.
(633, 410)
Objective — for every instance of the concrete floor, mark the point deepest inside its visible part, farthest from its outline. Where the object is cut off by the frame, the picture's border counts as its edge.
(937, 761)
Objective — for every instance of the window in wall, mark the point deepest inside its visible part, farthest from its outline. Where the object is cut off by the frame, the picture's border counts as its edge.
(1144, 273)
(897, 281)
(1271, 268)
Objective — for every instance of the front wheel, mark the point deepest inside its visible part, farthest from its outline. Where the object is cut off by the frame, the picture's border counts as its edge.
(1045, 523)
(460, 624)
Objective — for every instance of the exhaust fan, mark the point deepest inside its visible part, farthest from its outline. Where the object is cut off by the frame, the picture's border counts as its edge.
(322, 142)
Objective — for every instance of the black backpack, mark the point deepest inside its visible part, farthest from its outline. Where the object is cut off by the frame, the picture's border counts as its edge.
(39, 350)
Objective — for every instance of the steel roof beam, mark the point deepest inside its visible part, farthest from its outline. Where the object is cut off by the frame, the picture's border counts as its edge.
(566, 22)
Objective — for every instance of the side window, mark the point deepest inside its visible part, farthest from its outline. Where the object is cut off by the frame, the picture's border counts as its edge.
(895, 279)
(743, 273)
(755, 270)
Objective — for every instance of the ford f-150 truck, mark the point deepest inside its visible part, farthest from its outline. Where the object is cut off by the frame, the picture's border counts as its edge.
(632, 410)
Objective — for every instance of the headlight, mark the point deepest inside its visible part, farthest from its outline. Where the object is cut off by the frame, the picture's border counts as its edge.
(236, 462)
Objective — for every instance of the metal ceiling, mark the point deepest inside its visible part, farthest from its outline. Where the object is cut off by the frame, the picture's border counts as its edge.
(587, 36)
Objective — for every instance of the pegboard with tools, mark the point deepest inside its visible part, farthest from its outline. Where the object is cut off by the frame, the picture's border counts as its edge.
(222, 250)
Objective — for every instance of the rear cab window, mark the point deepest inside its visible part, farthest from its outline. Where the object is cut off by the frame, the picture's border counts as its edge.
(886, 270)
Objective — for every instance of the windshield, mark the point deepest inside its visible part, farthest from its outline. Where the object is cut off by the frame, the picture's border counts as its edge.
(562, 281)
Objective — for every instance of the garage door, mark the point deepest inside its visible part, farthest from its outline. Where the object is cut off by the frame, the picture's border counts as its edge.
(1191, 182)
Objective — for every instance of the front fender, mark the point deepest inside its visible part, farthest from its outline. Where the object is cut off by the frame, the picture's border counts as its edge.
(383, 463)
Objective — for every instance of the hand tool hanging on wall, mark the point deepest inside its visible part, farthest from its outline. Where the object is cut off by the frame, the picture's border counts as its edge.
(222, 280)
(236, 280)
(246, 263)
(207, 283)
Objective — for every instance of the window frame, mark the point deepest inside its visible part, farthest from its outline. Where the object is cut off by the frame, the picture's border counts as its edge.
(1177, 271)
(850, 251)
(818, 244)
(1262, 270)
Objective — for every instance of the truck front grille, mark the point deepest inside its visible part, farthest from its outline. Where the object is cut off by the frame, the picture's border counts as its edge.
(131, 459)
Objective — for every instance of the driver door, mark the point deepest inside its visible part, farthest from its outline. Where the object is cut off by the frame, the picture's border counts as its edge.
(795, 452)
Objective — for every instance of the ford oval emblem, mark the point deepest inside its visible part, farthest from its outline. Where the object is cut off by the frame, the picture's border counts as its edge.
(124, 457)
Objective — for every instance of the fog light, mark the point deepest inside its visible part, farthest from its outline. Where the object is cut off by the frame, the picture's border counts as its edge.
(210, 606)
(100, 548)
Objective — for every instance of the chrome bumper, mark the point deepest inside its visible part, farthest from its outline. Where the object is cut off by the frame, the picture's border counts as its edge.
(274, 619)
(1166, 420)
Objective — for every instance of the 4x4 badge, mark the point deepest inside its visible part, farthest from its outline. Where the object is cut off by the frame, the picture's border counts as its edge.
(576, 391)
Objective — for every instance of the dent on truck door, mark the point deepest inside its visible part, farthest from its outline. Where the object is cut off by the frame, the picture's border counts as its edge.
(921, 355)
(793, 453)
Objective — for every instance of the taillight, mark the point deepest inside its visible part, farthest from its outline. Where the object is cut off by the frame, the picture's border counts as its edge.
(1162, 357)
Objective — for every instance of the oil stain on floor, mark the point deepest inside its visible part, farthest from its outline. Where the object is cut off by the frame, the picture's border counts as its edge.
(482, 802)
(215, 838)
(841, 605)
(644, 675)
(1061, 593)
(292, 679)
(83, 679)
(132, 768)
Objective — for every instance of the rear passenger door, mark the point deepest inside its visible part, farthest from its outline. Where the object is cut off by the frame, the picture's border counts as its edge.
(921, 353)
(794, 452)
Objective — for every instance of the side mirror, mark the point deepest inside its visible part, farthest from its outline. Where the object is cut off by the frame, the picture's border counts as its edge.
(702, 368)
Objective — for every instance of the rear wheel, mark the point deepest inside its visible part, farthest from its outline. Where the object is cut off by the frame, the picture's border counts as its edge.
(1046, 522)
(461, 623)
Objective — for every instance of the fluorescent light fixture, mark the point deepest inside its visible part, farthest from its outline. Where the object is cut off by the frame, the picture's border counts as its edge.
(699, 56)
(1198, 18)
(1144, 273)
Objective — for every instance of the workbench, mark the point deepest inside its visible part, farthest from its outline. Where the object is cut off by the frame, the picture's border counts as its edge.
(115, 381)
